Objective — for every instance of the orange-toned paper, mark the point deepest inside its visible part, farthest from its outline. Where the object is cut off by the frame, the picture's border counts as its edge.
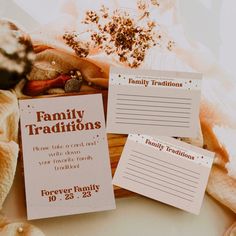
(65, 153)
(154, 102)
(166, 170)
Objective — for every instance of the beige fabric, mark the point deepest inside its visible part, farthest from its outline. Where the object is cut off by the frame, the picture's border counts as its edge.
(217, 130)
(9, 119)
(20, 229)
(9, 116)
(8, 161)
(222, 187)
(231, 231)
(3, 221)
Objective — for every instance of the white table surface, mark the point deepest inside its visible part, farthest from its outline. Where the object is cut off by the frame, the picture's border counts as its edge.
(136, 215)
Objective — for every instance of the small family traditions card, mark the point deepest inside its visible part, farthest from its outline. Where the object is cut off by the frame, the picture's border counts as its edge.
(65, 153)
(166, 170)
(154, 102)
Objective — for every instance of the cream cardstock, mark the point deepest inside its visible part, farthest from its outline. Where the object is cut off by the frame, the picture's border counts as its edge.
(166, 170)
(153, 102)
(65, 153)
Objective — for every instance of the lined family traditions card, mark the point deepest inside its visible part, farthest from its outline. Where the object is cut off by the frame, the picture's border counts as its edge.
(154, 102)
(166, 170)
(65, 153)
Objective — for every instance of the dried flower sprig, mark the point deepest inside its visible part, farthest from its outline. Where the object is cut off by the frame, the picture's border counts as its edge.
(170, 45)
(155, 3)
(80, 48)
(117, 33)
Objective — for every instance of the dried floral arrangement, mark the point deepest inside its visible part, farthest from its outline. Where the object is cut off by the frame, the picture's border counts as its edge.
(117, 33)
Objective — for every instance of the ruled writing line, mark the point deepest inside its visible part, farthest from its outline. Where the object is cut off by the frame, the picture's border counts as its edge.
(134, 119)
(137, 95)
(135, 114)
(149, 171)
(161, 180)
(157, 188)
(166, 162)
(140, 105)
(153, 182)
(134, 100)
(163, 171)
(125, 109)
(165, 166)
(175, 126)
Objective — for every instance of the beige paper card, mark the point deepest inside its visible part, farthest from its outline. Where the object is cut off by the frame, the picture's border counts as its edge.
(65, 153)
(166, 170)
(153, 102)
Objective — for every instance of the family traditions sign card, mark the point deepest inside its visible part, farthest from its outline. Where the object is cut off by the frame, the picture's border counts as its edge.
(65, 153)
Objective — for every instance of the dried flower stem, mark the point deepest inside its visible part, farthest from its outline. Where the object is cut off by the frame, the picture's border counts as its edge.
(117, 33)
